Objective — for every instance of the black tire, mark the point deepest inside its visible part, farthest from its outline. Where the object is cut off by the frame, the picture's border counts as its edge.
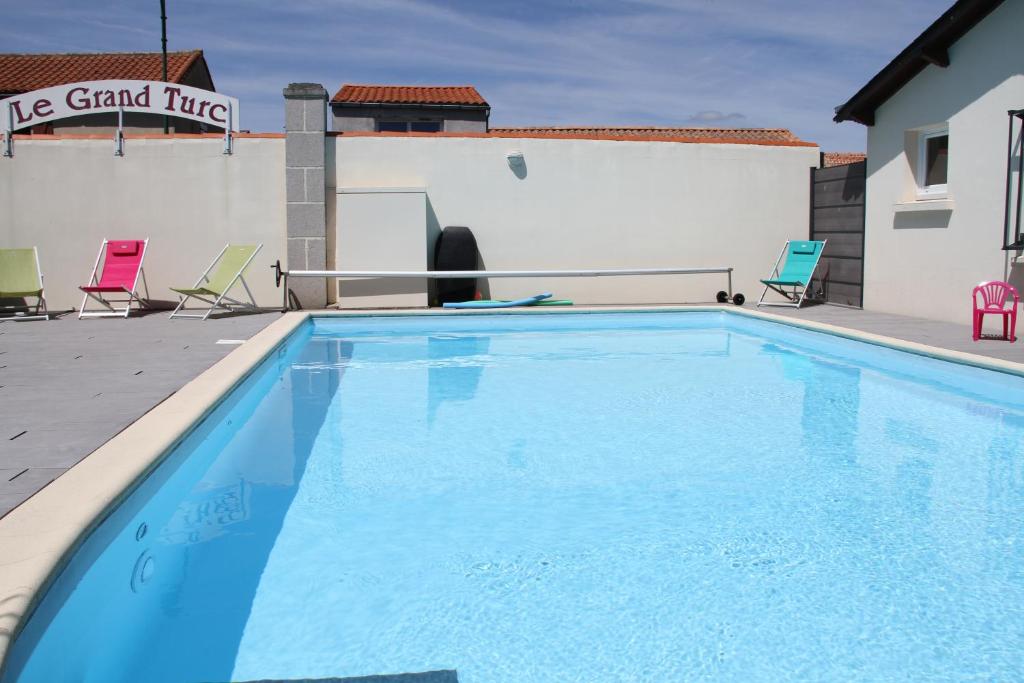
(738, 299)
(455, 250)
(722, 296)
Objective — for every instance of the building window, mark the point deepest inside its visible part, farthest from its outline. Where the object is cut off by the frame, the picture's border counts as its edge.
(933, 152)
(425, 126)
(407, 126)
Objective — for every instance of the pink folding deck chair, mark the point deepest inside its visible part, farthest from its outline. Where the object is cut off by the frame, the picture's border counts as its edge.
(993, 302)
(120, 274)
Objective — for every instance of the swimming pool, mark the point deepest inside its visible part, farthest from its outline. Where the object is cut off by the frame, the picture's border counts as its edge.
(558, 497)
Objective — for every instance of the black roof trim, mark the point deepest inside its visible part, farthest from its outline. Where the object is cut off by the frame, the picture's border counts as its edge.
(931, 47)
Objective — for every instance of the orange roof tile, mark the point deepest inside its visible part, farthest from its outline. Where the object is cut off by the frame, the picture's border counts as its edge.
(829, 159)
(731, 134)
(554, 134)
(24, 72)
(409, 94)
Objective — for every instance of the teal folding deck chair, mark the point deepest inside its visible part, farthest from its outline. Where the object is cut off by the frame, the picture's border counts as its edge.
(21, 278)
(794, 279)
(227, 269)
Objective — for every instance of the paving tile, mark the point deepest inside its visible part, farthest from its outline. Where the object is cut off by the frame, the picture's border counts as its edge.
(8, 501)
(45, 456)
(30, 480)
(80, 436)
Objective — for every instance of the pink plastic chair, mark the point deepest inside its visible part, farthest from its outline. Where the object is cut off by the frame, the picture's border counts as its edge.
(120, 274)
(993, 302)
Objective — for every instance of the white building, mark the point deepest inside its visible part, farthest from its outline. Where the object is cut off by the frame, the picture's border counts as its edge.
(937, 162)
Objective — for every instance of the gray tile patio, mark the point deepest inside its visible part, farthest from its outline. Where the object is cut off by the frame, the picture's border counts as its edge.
(67, 386)
(944, 335)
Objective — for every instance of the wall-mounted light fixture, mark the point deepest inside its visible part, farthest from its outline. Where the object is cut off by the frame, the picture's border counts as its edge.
(516, 163)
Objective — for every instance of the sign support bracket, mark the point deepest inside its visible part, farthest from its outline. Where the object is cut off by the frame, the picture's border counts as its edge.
(119, 134)
(229, 143)
(9, 133)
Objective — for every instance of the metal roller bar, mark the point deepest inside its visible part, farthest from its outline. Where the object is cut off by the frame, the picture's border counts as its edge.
(450, 274)
(281, 275)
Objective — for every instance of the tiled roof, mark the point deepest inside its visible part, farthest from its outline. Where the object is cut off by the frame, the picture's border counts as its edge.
(731, 134)
(409, 94)
(829, 159)
(24, 72)
(716, 136)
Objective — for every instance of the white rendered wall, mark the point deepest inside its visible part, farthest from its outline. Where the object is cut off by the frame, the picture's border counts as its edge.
(65, 195)
(925, 263)
(595, 204)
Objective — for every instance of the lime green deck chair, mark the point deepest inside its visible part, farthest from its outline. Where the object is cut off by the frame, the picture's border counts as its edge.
(21, 278)
(217, 280)
(794, 279)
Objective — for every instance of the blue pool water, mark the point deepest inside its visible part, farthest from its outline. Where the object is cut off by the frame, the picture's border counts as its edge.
(616, 497)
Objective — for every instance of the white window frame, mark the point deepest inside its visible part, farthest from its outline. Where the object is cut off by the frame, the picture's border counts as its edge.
(930, 191)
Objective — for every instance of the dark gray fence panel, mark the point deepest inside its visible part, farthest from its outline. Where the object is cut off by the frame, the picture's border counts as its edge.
(837, 215)
(841, 218)
(838, 192)
(841, 245)
(841, 269)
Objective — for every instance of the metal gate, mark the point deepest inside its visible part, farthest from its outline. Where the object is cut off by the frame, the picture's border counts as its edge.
(837, 215)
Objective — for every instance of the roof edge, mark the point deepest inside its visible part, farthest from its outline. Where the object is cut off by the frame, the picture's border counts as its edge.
(194, 56)
(197, 58)
(570, 136)
(931, 47)
(416, 105)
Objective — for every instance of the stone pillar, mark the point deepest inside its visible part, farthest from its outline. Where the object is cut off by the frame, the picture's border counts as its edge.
(305, 109)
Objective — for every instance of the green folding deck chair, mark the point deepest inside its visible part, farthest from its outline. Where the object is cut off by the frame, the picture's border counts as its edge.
(227, 269)
(792, 282)
(21, 278)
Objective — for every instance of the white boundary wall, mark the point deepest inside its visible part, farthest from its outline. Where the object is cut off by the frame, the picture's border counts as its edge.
(573, 204)
(922, 262)
(65, 195)
(590, 204)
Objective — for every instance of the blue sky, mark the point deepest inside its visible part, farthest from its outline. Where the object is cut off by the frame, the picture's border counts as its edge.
(781, 63)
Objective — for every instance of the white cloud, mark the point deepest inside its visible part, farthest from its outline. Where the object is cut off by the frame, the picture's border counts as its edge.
(715, 118)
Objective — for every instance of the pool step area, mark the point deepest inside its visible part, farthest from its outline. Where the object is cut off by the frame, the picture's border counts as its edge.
(443, 676)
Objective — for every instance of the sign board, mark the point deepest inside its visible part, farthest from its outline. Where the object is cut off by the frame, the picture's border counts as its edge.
(94, 97)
